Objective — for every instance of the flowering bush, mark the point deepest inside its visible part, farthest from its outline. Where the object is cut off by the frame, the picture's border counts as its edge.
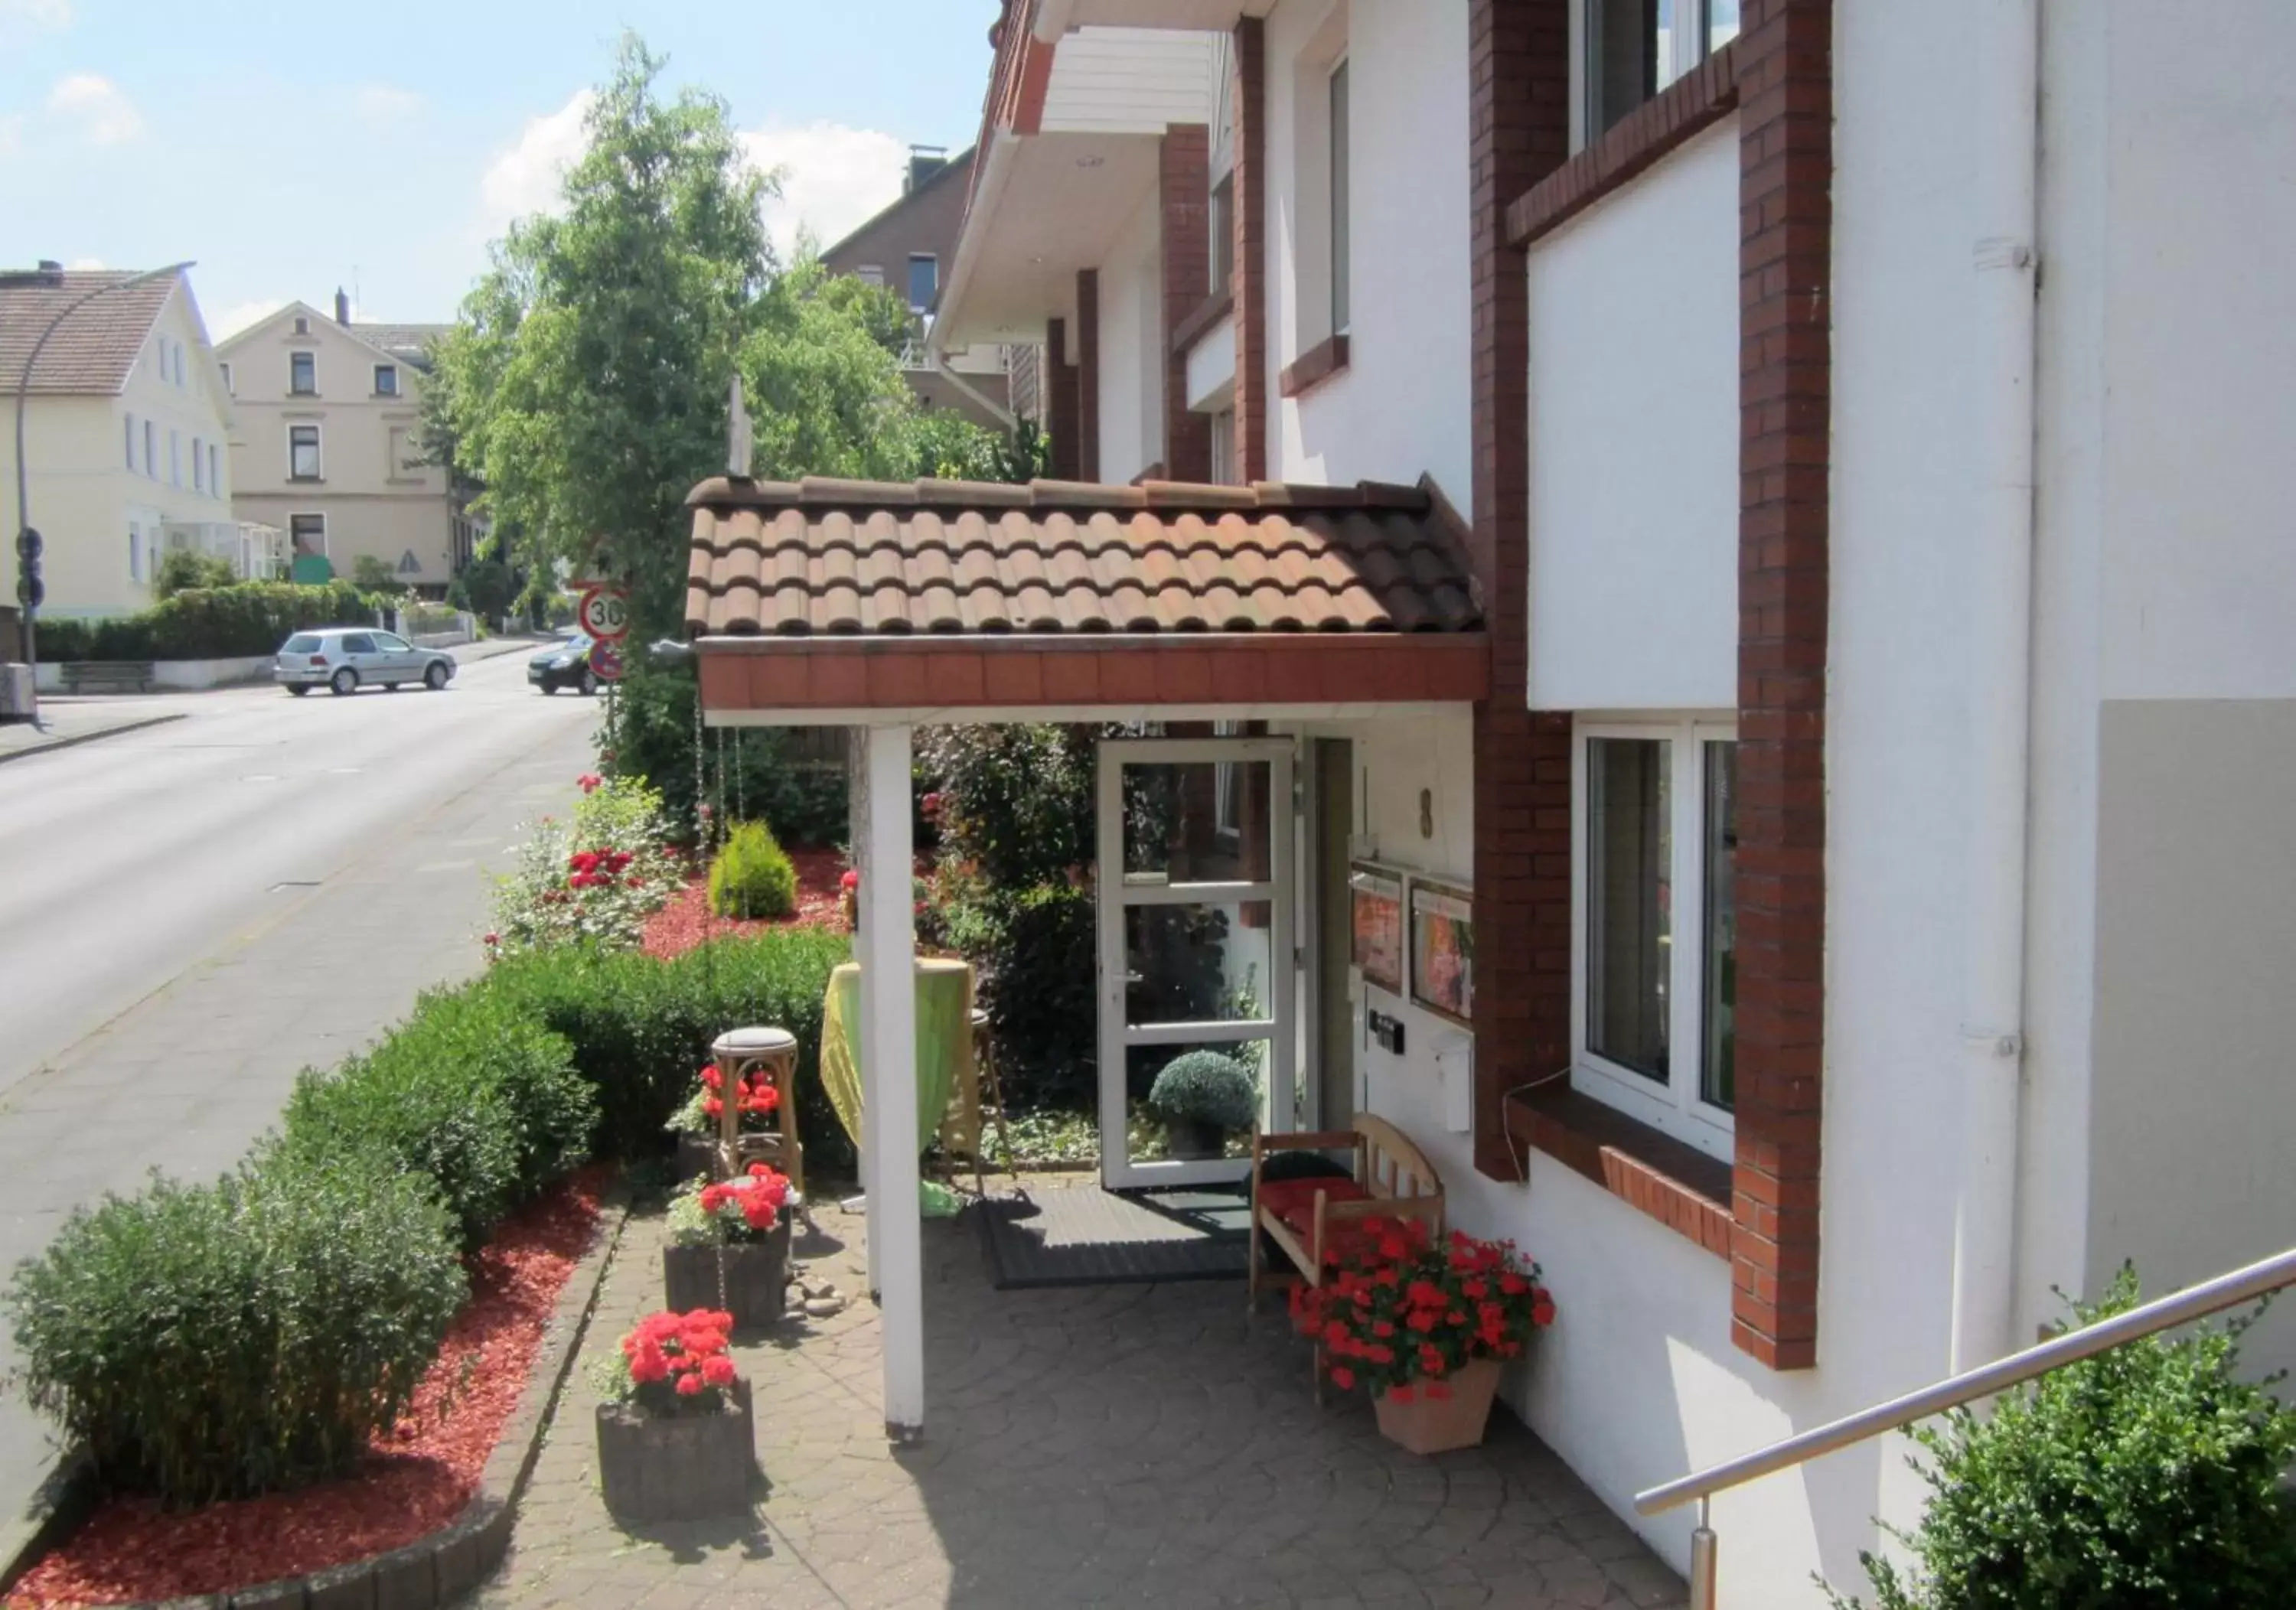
(676, 1364)
(759, 1100)
(596, 879)
(747, 1209)
(1403, 1314)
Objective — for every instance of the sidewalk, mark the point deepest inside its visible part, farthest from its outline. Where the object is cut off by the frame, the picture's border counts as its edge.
(76, 721)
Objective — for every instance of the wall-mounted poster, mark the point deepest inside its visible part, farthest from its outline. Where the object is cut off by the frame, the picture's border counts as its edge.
(1378, 925)
(1443, 951)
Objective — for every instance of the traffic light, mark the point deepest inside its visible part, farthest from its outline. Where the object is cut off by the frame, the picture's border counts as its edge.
(30, 590)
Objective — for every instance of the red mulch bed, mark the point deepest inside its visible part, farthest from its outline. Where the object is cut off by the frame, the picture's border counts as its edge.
(686, 921)
(416, 1479)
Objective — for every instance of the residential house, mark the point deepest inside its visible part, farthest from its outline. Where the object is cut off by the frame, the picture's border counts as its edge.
(125, 420)
(906, 246)
(327, 444)
(1780, 512)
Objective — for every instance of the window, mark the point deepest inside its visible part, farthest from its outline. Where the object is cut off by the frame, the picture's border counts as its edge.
(1223, 228)
(1223, 447)
(358, 642)
(1636, 48)
(302, 452)
(386, 380)
(150, 450)
(303, 374)
(198, 465)
(302, 326)
(160, 351)
(229, 385)
(924, 281)
(183, 376)
(871, 273)
(175, 458)
(1654, 1007)
(135, 552)
(1339, 103)
(307, 534)
(215, 468)
(131, 442)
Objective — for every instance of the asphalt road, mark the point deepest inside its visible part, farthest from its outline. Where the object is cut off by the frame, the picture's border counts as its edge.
(193, 912)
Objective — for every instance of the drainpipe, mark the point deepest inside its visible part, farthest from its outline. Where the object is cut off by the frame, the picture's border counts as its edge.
(2007, 48)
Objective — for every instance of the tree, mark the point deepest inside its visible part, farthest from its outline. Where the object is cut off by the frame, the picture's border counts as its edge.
(488, 587)
(586, 386)
(824, 390)
(371, 572)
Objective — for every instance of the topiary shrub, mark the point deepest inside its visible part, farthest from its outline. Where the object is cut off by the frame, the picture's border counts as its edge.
(2148, 1478)
(751, 876)
(1205, 1087)
(225, 1340)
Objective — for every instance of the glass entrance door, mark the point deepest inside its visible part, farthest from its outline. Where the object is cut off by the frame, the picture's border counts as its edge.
(1197, 1037)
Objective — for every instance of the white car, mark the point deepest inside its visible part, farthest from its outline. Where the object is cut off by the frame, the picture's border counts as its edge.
(344, 658)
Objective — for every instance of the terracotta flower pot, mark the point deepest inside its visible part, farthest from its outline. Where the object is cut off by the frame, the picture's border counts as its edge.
(676, 1467)
(756, 1277)
(1428, 1425)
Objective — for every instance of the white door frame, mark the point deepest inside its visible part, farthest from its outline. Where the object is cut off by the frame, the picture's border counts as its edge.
(1279, 1028)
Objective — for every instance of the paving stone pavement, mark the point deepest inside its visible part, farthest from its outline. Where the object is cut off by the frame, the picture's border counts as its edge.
(1111, 1445)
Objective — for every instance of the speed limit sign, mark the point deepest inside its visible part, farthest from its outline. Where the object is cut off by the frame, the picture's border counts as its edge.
(606, 614)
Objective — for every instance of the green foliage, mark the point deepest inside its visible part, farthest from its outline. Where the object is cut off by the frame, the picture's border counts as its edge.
(1016, 800)
(488, 588)
(186, 569)
(482, 1101)
(371, 572)
(211, 623)
(752, 877)
(824, 394)
(951, 447)
(226, 1340)
(2148, 1478)
(639, 1027)
(653, 739)
(592, 880)
(1205, 1087)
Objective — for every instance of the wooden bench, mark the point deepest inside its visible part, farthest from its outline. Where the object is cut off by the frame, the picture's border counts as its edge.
(107, 676)
(1313, 1221)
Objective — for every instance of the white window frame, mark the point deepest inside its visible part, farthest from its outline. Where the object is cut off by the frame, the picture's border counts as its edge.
(319, 446)
(1678, 1108)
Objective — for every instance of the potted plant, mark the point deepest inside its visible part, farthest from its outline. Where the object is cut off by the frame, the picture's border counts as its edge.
(1424, 1325)
(695, 1123)
(1201, 1098)
(738, 1231)
(674, 1438)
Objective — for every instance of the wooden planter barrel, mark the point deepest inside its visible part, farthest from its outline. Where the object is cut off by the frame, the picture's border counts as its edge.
(1428, 1425)
(676, 1467)
(756, 1277)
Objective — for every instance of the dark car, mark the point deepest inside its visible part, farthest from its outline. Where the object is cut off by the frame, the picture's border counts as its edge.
(565, 664)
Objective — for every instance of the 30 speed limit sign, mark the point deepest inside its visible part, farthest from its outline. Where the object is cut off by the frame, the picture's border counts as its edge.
(604, 614)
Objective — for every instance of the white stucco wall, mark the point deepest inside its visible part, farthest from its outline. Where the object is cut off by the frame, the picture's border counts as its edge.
(1131, 333)
(1403, 407)
(1634, 442)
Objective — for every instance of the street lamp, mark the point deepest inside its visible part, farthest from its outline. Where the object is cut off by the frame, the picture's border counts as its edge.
(24, 478)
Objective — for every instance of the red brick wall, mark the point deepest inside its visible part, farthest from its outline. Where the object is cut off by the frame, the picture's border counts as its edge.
(1249, 277)
(1518, 130)
(1786, 124)
(1087, 373)
(1184, 163)
(1061, 417)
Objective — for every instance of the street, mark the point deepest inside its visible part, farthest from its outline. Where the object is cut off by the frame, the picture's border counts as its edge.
(193, 912)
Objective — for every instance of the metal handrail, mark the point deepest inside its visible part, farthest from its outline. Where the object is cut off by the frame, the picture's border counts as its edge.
(2150, 1319)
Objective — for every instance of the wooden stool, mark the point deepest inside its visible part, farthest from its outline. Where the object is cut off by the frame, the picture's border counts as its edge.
(741, 1053)
(984, 1062)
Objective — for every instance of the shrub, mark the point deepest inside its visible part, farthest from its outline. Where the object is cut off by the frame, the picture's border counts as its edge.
(652, 739)
(482, 1101)
(225, 1340)
(186, 569)
(1206, 1087)
(1034, 948)
(595, 879)
(2148, 1478)
(751, 876)
(210, 623)
(640, 1026)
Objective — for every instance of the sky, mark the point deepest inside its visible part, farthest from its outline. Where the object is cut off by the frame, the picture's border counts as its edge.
(291, 149)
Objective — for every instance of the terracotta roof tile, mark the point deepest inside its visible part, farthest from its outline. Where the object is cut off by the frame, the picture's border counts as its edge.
(844, 558)
(94, 349)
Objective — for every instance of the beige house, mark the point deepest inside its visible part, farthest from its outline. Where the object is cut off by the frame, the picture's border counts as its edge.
(323, 446)
(125, 431)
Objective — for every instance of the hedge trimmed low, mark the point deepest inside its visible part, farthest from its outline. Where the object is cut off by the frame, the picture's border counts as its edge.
(209, 623)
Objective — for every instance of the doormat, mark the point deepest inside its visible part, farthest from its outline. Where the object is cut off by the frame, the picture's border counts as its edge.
(1085, 1236)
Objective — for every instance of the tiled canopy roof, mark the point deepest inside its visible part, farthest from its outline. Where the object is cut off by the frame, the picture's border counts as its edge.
(862, 558)
(92, 351)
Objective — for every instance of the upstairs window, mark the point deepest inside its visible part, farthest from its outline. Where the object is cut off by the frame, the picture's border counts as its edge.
(229, 385)
(150, 450)
(303, 374)
(386, 380)
(1636, 48)
(1339, 115)
(303, 453)
(924, 281)
(175, 458)
(215, 470)
(198, 465)
(131, 442)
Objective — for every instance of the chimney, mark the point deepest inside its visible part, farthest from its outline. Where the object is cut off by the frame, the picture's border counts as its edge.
(925, 161)
(50, 266)
(342, 308)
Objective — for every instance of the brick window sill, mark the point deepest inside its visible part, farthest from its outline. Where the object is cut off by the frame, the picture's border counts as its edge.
(1677, 1184)
(1197, 324)
(1315, 366)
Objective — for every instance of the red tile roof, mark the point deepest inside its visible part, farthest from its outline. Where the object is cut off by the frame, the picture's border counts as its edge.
(860, 559)
(94, 348)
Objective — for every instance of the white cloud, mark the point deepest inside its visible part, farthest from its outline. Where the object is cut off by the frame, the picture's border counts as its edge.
(47, 14)
(232, 320)
(86, 264)
(525, 178)
(833, 178)
(384, 104)
(106, 115)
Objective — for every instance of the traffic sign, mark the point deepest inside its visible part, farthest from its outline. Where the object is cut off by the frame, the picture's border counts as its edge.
(29, 545)
(31, 592)
(606, 662)
(604, 614)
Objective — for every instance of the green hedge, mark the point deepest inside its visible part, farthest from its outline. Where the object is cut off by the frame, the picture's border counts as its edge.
(640, 1028)
(208, 623)
(225, 1340)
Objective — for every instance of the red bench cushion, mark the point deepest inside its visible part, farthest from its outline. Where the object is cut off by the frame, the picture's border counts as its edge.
(1294, 1201)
